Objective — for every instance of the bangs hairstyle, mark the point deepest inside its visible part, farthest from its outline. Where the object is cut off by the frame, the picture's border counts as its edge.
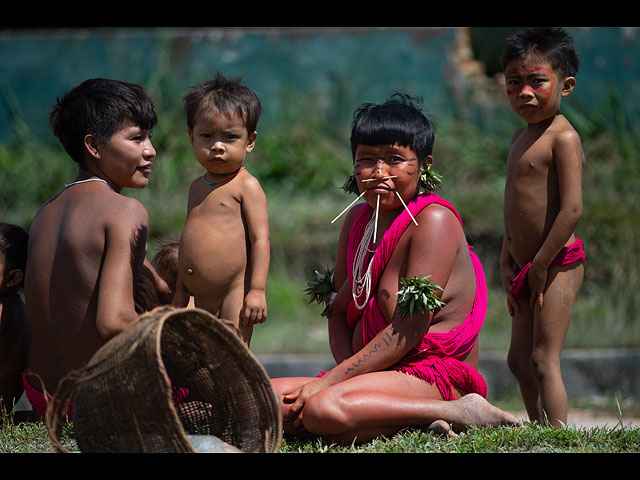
(226, 96)
(551, 43)
(99, 107)
(397, 121)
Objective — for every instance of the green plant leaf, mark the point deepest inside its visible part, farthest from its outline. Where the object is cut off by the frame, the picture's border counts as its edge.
(320, 289)
(418, 293)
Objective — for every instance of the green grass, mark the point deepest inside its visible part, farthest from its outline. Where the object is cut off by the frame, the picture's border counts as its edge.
(31, 437)
(532, 438)
(617, 437)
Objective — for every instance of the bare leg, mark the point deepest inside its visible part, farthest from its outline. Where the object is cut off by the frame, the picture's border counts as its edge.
(231, 308)
(551, 324)
(383, 403)
(536, 344)
(519, 358)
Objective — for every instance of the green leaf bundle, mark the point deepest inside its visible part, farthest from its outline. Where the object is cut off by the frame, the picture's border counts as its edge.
(418, 294)
(430, 180)
(320, 289)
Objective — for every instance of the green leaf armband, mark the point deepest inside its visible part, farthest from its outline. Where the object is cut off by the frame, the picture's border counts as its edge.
(418, 293)
(320, 290)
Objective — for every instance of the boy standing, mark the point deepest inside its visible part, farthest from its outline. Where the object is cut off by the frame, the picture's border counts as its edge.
(224, 248)
(13, 319)
(541, 262)
(87, 243)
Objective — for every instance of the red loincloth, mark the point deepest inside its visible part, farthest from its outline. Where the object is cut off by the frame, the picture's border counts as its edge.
(38, 400)
(566, 256)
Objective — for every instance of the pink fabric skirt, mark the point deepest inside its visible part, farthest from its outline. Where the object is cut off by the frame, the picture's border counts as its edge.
(566, 256)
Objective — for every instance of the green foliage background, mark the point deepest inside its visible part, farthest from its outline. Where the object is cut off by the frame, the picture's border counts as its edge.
(302, 158)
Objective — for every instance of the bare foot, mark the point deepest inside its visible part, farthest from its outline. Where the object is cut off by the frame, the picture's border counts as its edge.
(443, 428)
(475, 410)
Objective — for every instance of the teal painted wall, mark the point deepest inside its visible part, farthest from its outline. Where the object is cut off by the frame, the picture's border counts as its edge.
(333, 69)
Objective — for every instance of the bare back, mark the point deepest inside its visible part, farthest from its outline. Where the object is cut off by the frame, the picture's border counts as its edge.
(86, 250)
(543, 177)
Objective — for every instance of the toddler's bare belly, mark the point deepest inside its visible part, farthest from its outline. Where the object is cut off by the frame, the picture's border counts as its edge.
(212, 261)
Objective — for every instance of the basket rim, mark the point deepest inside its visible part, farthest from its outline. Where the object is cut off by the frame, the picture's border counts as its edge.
(152, 325)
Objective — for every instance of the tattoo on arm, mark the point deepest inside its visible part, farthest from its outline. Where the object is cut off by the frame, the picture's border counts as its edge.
(387, 338)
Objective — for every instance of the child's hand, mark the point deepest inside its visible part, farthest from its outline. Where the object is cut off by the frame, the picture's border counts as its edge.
(254, 309)
(537, 279)
(298, 399)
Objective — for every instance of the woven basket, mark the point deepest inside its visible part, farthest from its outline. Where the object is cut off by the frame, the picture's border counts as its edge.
(175, 375)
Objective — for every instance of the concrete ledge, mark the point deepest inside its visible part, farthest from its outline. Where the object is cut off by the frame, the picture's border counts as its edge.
(586, 373)
(295, 365)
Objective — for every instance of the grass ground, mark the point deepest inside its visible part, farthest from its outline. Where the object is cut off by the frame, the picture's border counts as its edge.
(593, 427)
(532, 438)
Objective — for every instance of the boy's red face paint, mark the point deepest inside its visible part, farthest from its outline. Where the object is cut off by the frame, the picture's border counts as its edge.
(540, 80)
(532, 89)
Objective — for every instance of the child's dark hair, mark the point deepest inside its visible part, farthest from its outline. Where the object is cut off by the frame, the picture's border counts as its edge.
(397, 121)
(165, 261)
(99, 107)
(13, 247)
(227, 96)
(552, 43)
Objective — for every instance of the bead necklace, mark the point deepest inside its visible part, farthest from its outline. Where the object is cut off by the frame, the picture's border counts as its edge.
(67, 185)
(224, 179)
(362, 281)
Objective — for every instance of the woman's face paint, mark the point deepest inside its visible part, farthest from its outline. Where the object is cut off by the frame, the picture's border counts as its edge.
(382, 170)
